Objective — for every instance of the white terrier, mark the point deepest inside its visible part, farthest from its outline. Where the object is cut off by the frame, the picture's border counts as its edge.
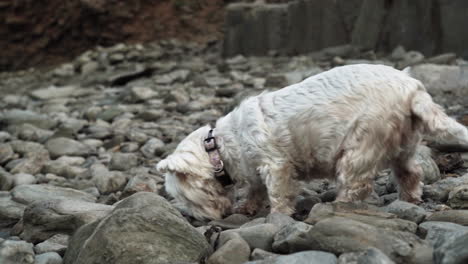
(344, 124)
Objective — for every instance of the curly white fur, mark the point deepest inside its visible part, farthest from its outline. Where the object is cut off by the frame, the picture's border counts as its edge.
(345, 124)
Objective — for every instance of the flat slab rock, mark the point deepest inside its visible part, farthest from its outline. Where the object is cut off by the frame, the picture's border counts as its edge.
(27, 194)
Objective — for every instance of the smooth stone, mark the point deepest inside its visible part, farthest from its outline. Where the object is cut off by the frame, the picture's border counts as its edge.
(10, 211)
(279, 219)
(439, 191)
(153, 147)
(123, 161)
(48, 258)
(107, 181)
(144, 182)
(143, 228)
(67, 147)
(453, 250)
(27, 194)
(340, 235)
(458, 197)
(231, 222)
(258, 236)
(407, 211)
(369, 256)
(32, 163)
(292, 238)
(6, 153)
(23, 178)
(6, 180)
(360, 212)
(16, 252)
(57, 243)
(259, 254)
(454, 216)
(44, 219)
(435, 232)
(310, 257)
(18, 117)
(234, 251)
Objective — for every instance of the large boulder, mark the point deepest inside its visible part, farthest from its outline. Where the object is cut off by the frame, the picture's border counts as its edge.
(143, 228)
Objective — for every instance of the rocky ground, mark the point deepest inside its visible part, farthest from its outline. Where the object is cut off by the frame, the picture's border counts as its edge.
(78, 145)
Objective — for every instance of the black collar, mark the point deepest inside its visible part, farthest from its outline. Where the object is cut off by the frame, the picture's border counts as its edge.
(215, 159)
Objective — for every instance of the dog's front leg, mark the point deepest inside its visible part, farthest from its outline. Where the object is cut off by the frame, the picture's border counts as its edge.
(281, 186)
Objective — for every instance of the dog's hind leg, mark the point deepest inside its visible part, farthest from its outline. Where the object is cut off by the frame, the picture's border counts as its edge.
(356, 164)
(355, 175)
(408, 175)
(281, 185)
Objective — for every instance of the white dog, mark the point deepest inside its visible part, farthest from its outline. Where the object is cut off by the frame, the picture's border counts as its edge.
(345, 124)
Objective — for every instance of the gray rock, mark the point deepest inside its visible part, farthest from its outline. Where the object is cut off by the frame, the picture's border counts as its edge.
(53, 92)
(107, 181)
(311, 256)
(340, 235)
(31, 133)
(143, 228)
(169, 78)
(65, 167)
(142, 93)
(407, 211)
(67, 147)
(48, 258)
(16, 252)
(154, 147)
(44, 219)
(89, 67)
(454, 216)
(6, 153)
(410, 58)
(231, 222)
(23, 178)
(10, 211)
(360, 212)
(31, 163)
(123, 161)
(4, 136)
(143, 183)
(259, 236)
(99, 130)
(442, 81)
(279, 219)
(57, 243)
(25, 147)
(458, 197)
(260, 254)
(445, 58)
(439, 191)
(6, 180)
(369, 256)
(254, 222)
(453, 250)
(27, 194)
(431, 172)
(18, 117)
(437, 232)
(234, 251)
(292, 238)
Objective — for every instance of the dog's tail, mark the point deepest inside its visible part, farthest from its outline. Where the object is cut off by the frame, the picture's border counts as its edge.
(442, 132)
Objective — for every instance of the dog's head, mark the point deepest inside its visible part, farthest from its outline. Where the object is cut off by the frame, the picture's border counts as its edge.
(190, 179)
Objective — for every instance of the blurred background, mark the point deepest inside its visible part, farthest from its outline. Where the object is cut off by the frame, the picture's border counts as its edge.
(93, 93)
(48, 32)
